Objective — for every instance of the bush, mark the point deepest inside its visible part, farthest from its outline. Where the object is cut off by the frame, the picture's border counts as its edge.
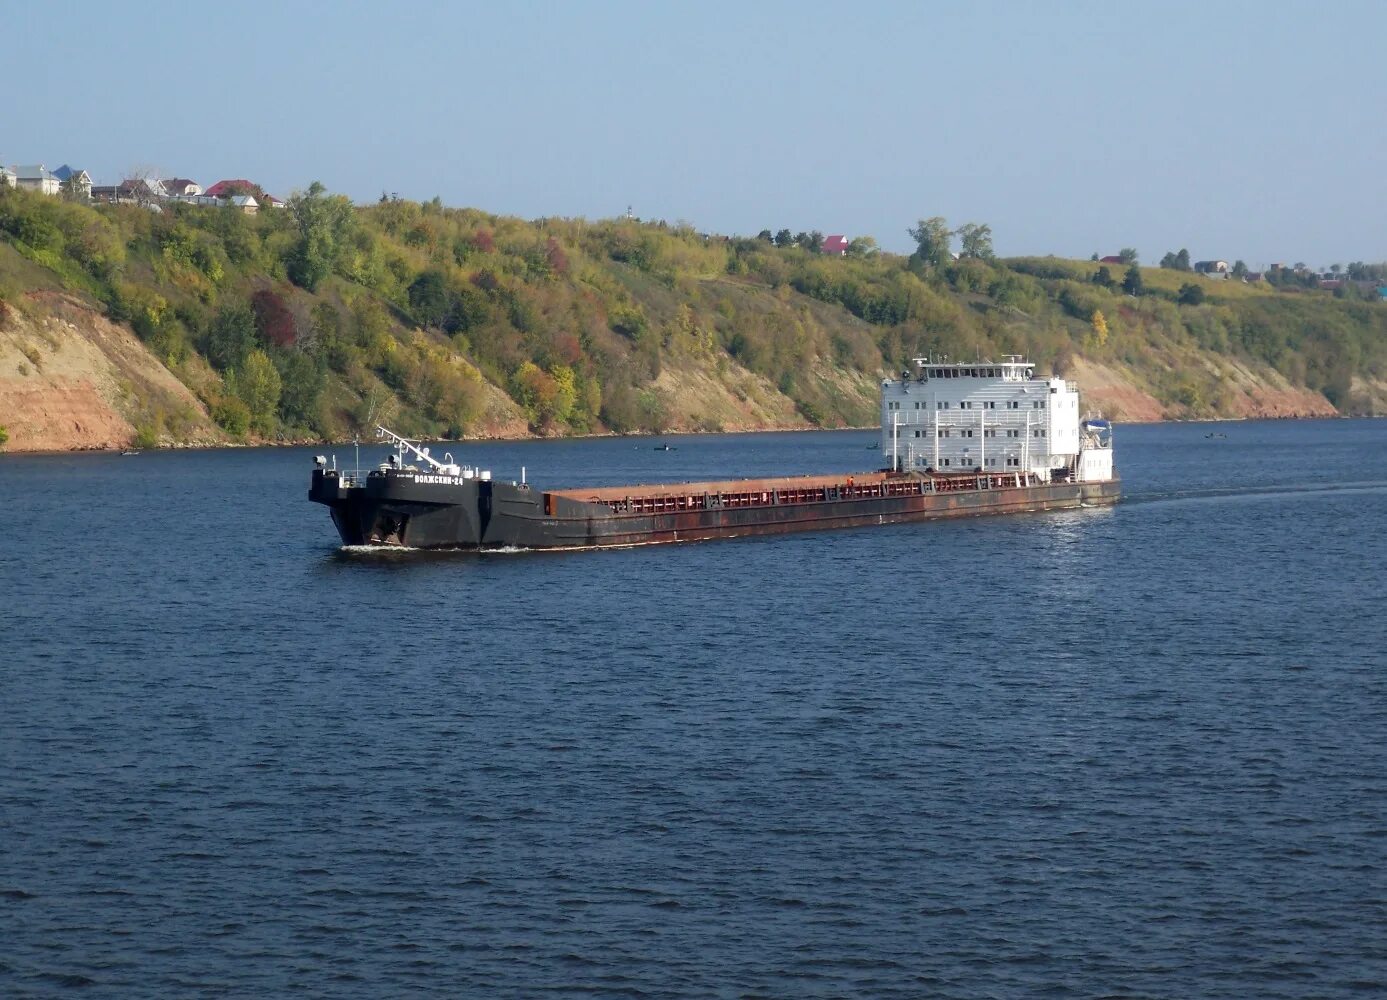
(232, 416)
(146, 436)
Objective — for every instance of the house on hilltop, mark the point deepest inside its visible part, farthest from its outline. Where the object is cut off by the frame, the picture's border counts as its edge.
(836, 246)
(225, 189)
(1111, 258)
(1211, 268)
(244, 203)
(181, 187)
(75, 182)
(36, 178)
(7, 177)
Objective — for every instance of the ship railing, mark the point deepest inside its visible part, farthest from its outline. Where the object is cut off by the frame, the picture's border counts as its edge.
(354, 477)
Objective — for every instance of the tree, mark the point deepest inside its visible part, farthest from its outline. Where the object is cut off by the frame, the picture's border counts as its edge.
(1127, 255)
(1133, 284)
(324, 224)
(273, 318)
(862, 246)
(428, 297)
(975, 241)
(230, 336)
(1103, 278)
(784, 238)
(1099, 325)
(301, 382)
(931, 238)
(1168, 261)
(1191, 294)
(765, 236)
(257, 384)
(1182, 260)
(1239, 269)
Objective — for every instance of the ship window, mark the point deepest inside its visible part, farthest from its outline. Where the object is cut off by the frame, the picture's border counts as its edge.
(946, 461)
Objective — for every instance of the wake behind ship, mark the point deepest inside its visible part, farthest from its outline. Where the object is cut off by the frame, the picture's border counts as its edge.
(961, 439)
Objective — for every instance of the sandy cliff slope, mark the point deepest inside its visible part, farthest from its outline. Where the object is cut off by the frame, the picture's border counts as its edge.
(72, 380)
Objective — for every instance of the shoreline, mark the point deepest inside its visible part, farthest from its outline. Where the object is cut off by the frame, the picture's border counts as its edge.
(6, 450)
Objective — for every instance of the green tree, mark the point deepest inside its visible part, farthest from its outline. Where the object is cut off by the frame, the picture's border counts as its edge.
(428, 297)
(975, 240)
(1168, 261)
(4, 436)
(1127, 255)
(1132, 283)
(257, 384)
(230, 336)
(1239, 269)
(1103, 278)
(231, 416)
(301, 380)
(1182, 260)
(324, 223)
(862, 246)
(784, 238)
(931, 238)
(1191, 294)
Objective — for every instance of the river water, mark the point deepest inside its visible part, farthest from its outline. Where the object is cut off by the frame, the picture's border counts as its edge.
(1135, 751)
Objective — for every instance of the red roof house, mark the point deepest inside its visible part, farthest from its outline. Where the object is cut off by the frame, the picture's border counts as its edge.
(835, 245)
(225, 189)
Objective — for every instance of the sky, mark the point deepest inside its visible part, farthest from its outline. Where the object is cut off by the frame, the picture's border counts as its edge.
(1237, 131)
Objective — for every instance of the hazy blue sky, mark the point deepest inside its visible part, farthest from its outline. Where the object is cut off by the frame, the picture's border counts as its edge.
(1251, 131)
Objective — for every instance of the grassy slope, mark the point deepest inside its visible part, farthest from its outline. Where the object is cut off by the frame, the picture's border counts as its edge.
(450, 322)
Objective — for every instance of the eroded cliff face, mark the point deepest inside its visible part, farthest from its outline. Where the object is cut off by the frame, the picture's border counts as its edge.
(71, 380)
(1227, 390)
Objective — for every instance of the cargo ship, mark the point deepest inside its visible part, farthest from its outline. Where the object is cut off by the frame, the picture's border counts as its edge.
(958, 440)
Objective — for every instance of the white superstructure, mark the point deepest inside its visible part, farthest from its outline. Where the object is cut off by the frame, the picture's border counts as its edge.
(993, 416)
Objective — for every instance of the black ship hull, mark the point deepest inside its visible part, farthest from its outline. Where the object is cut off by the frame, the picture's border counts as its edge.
(420, 510)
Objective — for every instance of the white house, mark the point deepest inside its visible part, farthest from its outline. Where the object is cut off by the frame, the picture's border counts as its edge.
(7, 177)
(76, 182)
(36, 178)
(245, 203)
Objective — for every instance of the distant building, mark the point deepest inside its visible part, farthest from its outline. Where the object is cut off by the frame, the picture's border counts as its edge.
(835, 246)
(203, 200)
(1111, 259)
(225, 189)
(179, 187)
(75, 182)
(274, 202)
(7, 177)
(245, 203)
(1213, 268)
(142, 190)
(36, 178)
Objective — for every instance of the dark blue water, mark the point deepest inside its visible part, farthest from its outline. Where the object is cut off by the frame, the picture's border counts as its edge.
(1126, 752)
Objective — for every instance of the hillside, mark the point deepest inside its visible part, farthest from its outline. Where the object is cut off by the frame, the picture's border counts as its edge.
(194, 325)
